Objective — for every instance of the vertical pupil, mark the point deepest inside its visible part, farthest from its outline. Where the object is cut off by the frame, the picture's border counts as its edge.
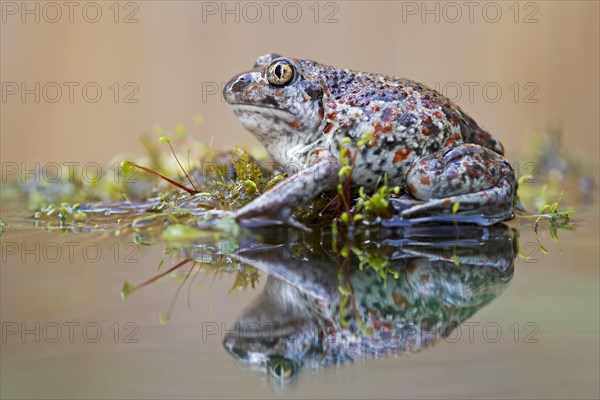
(278, 71)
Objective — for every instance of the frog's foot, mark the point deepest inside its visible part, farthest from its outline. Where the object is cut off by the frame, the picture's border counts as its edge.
(466, 180)
(469, 207)
(276, 204)
(404, 202)
(252, 216)
(267, 208)
(259, 222)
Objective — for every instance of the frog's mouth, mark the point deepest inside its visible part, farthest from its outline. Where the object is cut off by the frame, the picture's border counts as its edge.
(250, 110)
(264, 119)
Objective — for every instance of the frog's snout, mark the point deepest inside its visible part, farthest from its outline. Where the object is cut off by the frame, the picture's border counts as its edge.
(236, 85)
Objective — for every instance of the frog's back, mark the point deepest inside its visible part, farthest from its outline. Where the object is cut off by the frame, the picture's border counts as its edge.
(415, 116)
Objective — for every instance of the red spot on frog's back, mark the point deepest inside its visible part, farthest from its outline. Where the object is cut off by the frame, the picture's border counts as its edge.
(401, 155)
(449, 142)
(380, 128)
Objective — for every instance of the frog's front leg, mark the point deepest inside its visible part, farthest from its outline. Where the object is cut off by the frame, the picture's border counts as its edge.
(279, 201)
(480, 180)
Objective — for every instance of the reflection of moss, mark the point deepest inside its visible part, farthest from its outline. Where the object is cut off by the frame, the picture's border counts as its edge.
(206, 258)
(378, 262)
(245, 277)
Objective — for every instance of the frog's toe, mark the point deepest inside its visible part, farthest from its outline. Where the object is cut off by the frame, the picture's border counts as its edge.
(404, 202)
(255, 215)
(440, 206)
(254, 211)
(484, 207)
(260, 221)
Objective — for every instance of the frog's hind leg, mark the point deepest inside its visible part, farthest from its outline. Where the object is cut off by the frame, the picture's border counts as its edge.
(467, 180)
(483, 138)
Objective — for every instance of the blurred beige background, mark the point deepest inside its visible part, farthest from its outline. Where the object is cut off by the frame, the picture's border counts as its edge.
(171, 56)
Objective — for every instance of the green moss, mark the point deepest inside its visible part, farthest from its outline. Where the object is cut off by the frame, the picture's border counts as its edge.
(245, 277)
(376, 205)
(251, 180)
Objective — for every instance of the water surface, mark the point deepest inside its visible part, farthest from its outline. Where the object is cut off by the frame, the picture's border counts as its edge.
(67, 333)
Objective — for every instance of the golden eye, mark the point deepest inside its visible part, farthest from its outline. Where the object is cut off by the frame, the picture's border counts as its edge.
(281, 368)
(280, 73)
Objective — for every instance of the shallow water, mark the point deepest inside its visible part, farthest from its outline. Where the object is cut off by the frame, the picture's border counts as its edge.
(67, 333)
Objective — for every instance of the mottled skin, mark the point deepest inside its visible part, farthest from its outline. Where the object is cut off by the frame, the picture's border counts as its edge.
(301, 111)
(296, 323)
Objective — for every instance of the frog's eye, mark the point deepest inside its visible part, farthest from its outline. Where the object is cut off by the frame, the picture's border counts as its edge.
(281, 368)
(280, 73)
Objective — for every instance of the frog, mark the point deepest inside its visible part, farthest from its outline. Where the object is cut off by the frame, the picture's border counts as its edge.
(310, 116)
(389, 297)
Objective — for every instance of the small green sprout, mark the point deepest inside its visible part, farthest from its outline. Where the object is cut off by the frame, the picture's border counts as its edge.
(378, 203)
(550, 211)
(365, 138)
(455, 207)
(180, 131)
(344, 290)
(455, 258)
(163, 317)
(357, 217)
(160, 131)
(523, 179)
(126, 289)
(334, 235)
(345, 171)
(344, 251)
(344, 217)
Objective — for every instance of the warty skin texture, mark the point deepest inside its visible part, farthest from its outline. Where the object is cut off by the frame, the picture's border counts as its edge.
(301, 110)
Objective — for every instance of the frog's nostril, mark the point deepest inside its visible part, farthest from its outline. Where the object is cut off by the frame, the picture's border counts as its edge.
(236, 85)
(240, 83)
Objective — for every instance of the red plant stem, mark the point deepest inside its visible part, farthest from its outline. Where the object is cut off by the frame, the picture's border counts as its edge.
(157, 277)
(172, 182)
(181, 166)
(179, 289)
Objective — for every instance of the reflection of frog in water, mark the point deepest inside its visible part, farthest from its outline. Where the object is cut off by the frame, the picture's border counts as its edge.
(302, 111)
(304, 320)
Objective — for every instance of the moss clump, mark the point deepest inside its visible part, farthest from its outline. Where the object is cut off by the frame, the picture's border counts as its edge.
(250, 181)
